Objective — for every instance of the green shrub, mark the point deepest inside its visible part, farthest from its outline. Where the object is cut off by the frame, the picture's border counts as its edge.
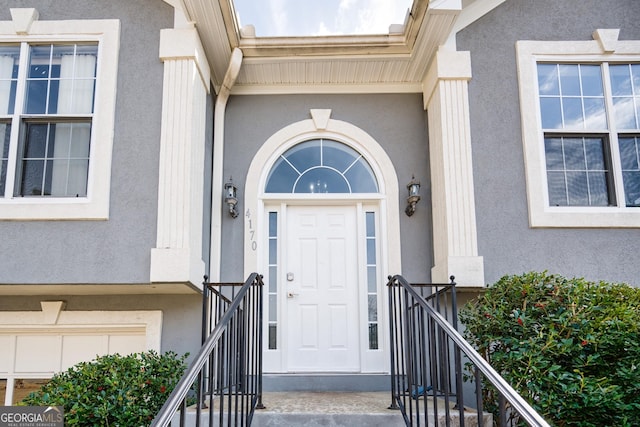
(568, 346)
(112, 390)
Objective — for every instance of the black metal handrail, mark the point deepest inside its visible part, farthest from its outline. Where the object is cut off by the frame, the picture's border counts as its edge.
(427, 352)
(226, 374)
(216, 299)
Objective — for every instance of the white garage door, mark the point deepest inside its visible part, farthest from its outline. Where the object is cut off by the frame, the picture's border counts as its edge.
(36, 345)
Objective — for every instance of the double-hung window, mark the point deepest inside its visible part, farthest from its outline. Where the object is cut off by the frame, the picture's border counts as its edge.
(47, 99)
(580, 108)
(57, 100)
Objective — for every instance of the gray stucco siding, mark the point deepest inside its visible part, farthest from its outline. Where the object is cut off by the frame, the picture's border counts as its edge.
(116, 250)
(396, 121)
(505, 240)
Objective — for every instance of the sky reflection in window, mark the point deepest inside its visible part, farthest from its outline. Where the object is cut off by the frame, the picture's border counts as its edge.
(321, 166)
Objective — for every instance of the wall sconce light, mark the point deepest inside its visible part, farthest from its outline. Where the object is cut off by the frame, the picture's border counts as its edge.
(230, 197)
(414, 196)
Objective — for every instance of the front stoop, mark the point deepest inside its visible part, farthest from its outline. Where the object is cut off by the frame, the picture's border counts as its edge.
(336, 409)
(327, 409)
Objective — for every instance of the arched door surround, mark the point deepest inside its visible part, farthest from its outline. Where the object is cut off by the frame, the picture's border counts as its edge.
(323, 189)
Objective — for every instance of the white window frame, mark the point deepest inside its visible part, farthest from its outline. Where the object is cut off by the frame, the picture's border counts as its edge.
(95, 206)
(605, 48)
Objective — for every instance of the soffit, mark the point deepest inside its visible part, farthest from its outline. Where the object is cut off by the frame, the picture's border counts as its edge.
(333, 64)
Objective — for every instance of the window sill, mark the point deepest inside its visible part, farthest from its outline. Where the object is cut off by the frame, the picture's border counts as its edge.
(37, 209)
(585, 217)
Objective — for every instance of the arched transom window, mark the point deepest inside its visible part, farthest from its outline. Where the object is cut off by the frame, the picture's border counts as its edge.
(321, 166)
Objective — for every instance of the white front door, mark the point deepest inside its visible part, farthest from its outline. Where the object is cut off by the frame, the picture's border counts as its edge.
(322, 326)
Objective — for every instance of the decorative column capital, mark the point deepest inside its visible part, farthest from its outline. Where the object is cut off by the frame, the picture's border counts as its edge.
(447, 65)
(184, 43)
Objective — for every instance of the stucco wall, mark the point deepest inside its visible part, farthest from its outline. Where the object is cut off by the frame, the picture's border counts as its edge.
(506, 241)
(117, 250)
(396, 122)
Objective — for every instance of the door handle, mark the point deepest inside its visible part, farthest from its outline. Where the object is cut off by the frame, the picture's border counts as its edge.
(291, 294)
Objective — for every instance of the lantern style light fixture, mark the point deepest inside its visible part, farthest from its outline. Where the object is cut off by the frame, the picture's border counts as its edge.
(230, 197)
(414, 196)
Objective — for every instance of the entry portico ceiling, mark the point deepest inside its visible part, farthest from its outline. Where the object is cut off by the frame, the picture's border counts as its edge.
(394, 62)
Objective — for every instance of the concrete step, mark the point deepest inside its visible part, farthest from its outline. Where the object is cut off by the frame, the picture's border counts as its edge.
(326, 382)
(337, 409)
(327, 408)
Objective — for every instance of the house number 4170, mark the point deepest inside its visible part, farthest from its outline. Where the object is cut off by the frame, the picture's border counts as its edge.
(252, 232)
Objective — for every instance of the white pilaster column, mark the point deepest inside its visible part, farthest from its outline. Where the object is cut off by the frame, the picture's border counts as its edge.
(177, 256)
(446, 100)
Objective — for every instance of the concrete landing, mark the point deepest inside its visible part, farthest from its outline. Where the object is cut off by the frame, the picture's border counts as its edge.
(327, 409)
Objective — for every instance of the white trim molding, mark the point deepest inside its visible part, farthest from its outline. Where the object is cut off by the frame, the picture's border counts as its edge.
(446, 99)
(177, 256)
(26, 28)
(604, 48)
(54, 318)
